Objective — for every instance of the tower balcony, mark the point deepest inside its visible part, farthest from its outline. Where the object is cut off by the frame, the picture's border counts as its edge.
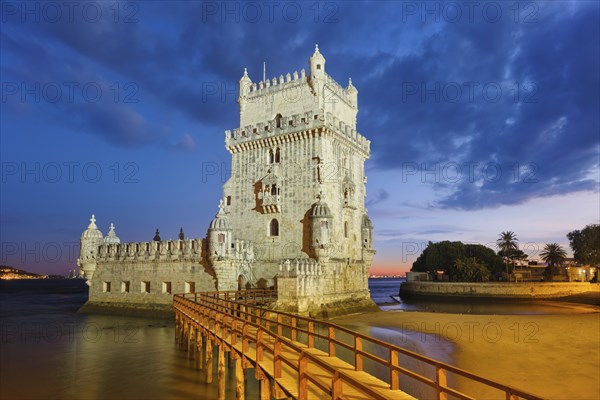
(271, 203)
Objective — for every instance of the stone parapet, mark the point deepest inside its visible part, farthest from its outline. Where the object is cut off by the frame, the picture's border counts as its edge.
(293, 128)
(189, 249)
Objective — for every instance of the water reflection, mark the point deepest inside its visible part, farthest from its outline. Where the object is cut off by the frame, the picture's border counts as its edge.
(104, 357)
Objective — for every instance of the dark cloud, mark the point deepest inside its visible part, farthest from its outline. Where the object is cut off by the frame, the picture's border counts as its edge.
(377, 197)
(541, 133)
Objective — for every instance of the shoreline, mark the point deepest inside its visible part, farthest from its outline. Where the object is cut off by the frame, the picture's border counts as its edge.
(496, 290)
(555, 356)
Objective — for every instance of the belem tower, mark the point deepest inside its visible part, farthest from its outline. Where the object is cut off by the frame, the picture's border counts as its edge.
(292, 215)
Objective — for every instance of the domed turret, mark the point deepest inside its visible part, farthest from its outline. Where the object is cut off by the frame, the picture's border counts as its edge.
(321, 219)
(91, 238)
(111, 236)
(92, 231)
(367, 232)
(219, 235)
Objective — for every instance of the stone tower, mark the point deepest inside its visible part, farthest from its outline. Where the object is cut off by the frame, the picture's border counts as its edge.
(292, 215)
(297, 188)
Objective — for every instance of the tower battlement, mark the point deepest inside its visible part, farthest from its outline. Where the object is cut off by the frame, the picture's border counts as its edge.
(189, 249)
(285, 128)
(291, 83)
(295, 93)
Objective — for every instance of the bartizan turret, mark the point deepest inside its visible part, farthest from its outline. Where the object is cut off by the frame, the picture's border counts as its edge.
(219, 235)
(321, 224)
(91, 238)
(367, 232)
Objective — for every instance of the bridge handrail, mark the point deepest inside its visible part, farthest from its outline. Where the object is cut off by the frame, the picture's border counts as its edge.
(302, 371)
(221, 302)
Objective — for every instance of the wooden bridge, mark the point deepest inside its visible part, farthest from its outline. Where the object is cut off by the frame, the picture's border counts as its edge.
(304, 358)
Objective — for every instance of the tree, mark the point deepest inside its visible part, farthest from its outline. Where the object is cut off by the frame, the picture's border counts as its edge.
(443, 256)
(586, 244)
(507, 243)
(554, 255)
(469, 270)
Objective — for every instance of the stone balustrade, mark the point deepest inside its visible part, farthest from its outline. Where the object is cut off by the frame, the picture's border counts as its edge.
(300, 267)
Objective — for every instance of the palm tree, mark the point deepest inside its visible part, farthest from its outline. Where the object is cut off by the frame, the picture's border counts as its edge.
(507, 243)
(554, 255)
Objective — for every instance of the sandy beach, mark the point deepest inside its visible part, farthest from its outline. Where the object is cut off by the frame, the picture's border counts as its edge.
(555, 356)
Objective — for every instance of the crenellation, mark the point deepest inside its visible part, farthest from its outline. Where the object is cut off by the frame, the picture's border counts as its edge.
(293, 125)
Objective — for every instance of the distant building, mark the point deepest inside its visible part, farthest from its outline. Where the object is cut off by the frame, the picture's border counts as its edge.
(292, 215)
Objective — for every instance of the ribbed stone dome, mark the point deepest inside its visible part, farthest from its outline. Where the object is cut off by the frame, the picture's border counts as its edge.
(111, 236)
(321, 210)
(92, 232)
(221, 221)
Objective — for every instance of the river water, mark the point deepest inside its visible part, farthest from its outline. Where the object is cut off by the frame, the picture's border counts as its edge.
(49, 351)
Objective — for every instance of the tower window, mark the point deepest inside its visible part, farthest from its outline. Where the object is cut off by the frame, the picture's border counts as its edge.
(190, 287)
(274, 190)
(228, 200)
(271, 156)
(277, 155)
(278, 120)
(324, 224)
(318, 66)
(274, 228)
(221, 238)
(346, 229)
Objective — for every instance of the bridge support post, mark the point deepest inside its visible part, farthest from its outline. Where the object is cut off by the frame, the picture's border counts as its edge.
(182, 334)
(221, 371)
(208, 361)
(265, 386)
(240, 390)
(190, 343)
(176, 328)
(265, 389)
(199, 349)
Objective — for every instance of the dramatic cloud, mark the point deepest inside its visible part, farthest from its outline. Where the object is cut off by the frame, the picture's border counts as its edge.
(467, 111)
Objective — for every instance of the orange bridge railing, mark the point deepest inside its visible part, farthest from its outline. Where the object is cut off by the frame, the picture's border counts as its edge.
(303, 358)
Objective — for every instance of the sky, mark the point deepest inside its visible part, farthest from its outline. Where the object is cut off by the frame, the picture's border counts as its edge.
(483, 116)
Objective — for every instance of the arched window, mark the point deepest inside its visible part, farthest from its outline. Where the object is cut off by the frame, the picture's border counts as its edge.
(274, 190)
(346, 229)
(277, 155)
(271, 157)
(274, 228)
(278, 120)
